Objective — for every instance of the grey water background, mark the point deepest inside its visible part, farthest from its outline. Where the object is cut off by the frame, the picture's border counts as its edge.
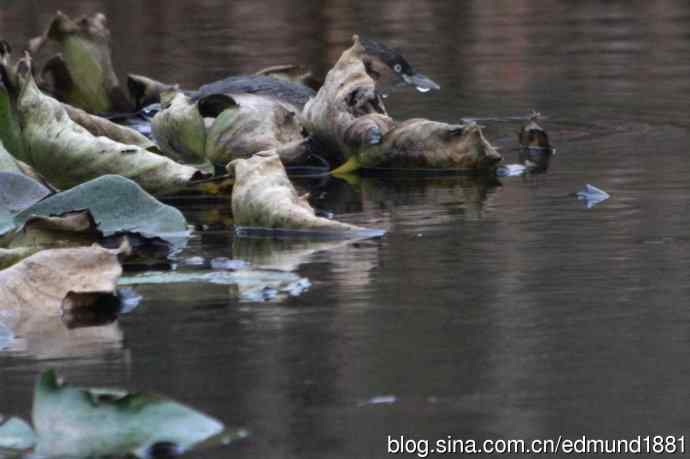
(490, 309)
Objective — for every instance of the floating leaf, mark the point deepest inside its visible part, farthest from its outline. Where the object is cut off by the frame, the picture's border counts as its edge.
(179, 128)
(67, 154)
(348, 92)
(420, 144)
(592, 195)
(248, 125)
(18, 192)
(16, 434)
(250, 284)
(76, 422)
(51, 280)
(264, 197)
(101, 127)
(83, 74)
(118, 205)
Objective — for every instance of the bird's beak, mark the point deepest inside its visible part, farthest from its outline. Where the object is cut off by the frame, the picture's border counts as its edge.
(421, 82)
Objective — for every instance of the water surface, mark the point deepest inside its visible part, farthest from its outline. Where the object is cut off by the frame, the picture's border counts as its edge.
(491, 308)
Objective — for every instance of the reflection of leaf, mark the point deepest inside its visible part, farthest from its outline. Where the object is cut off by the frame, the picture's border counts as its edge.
(68, 154)
(117, 205)
(43, 337)
(252, 285)
(75, 422)
(285, 255)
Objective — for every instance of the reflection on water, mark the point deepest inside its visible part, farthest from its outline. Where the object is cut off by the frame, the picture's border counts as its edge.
(488, 309)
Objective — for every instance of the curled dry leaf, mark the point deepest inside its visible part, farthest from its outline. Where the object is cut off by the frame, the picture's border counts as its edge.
(348, 93)
(146, 91)
(68, 154)
(425, 144)
(179, 128)
(83, 75)
(294, 74)
(264, 197)
(251, 124)
(101, 127)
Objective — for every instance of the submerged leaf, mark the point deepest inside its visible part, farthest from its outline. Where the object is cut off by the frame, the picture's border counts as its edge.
(118, 205)
(77, 422)
(264, 197)
(68, 154)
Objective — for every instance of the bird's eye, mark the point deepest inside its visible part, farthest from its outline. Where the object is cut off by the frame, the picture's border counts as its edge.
(397, 68)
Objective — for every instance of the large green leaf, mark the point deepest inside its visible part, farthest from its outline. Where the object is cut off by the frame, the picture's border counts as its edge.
(77, 422)
(17, 192)
(67, 154)
(118, 205)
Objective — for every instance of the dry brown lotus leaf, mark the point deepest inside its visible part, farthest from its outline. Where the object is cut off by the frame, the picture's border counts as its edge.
(294, 74)
(179, 128)
(248, 124)
(67, 154)
(146, 91)
(41, 283)
(425, 144)
(83, 74)
(264, 197)
(347, 94)
(101, 127)
(76, 228)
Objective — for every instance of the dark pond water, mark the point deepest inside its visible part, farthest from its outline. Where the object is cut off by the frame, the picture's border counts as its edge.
(490, 309)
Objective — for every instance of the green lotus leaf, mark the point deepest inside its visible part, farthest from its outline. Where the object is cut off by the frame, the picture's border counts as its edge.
(118, 205)
(16, 434)
(76, 422)
(18, 192)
